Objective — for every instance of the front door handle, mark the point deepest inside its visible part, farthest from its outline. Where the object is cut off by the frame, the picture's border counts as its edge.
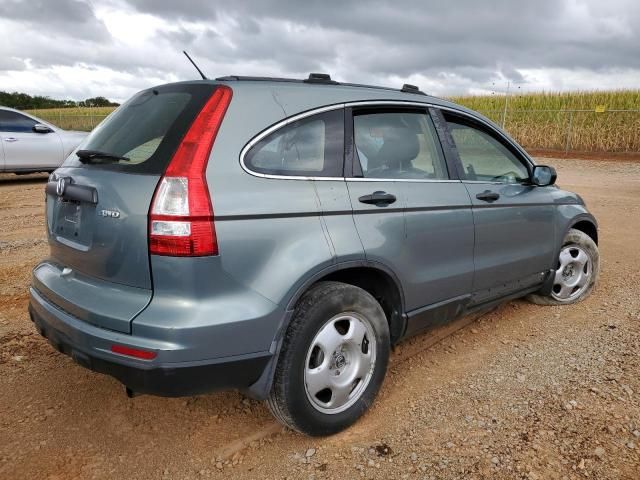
(378, 198)
(488, 196)
(11, 139)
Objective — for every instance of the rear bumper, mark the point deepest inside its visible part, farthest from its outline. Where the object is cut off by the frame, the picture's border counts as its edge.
(90, 346)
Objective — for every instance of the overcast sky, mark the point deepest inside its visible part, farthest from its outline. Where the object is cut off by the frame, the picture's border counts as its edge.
(80, 48)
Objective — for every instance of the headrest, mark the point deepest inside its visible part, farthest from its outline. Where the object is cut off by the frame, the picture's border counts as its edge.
(400, 146)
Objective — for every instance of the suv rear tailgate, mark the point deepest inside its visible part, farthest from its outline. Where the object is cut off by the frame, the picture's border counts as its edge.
(108, 239)
(98, 269)
(98, 205)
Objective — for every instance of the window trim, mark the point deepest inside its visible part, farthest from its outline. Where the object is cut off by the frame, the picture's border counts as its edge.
(351, 154)
(453, 172)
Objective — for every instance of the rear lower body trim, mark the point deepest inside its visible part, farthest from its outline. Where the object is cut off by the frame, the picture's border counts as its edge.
(169, 380)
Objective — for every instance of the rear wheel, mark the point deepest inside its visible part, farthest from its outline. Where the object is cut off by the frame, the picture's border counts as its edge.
(333, 360)
(576, 271)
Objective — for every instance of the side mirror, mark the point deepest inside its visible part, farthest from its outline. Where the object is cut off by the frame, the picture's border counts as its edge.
(543, 175)
(41, 128)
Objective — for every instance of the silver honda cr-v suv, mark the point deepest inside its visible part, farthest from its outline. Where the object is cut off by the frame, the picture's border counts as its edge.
(279, 236)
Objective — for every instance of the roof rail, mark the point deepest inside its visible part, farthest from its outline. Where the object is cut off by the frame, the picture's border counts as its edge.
(319, 78)
(232, 78)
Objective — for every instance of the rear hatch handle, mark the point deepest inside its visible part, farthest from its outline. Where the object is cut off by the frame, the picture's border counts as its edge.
(64, 188)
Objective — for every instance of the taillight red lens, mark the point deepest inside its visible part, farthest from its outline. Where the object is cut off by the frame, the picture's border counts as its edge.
(181, 216)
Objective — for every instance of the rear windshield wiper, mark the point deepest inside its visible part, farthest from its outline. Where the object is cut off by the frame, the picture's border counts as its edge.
(86, 156)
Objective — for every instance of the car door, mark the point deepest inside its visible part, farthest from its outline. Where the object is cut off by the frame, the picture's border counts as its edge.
(411, 216)
(514, 227)
(26, 149)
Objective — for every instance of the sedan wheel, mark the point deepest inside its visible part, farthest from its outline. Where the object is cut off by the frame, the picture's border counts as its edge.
(340, 363)
(333, 359)
(576, 271)
(573, 274)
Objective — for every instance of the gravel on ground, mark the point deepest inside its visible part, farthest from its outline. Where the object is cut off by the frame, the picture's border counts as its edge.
(523, 392)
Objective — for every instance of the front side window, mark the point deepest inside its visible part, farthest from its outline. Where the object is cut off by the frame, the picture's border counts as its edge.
(398, 144)
(311, 146)
(14, 122)
(483, 156)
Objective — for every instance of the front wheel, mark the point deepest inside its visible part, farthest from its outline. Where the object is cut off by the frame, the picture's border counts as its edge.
(576, 273)
(333, 360)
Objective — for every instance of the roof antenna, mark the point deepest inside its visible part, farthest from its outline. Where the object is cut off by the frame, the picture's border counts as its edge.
(194, 64)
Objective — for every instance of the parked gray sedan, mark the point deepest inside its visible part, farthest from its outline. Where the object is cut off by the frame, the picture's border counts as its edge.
(29, 144)
(279, 236)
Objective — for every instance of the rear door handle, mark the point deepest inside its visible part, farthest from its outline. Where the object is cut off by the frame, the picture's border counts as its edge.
(11, 139)
(488, 196)
(378, 198)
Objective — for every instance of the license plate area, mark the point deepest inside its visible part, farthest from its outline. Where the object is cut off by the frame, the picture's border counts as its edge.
(73, 223)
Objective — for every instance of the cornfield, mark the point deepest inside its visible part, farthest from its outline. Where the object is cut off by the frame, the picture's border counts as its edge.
(598, 121)
(75, 118)
(607, 121)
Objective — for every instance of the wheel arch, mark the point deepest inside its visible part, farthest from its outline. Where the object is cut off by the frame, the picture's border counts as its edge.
(383, 287)
(373, 277)
(585, 224)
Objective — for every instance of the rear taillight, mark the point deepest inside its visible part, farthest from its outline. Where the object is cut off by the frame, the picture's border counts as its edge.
(181, 216)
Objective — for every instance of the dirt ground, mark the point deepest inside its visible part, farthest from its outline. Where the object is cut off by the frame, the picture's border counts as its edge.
(523, 392)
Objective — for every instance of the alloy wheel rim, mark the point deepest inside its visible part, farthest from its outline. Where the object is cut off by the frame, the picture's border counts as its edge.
(573, 275)
(340, 363)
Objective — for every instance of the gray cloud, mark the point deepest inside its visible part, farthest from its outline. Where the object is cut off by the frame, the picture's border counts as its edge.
(74, 17)
(34, 11)
(452, 46)
(445, 34)
(474, 40)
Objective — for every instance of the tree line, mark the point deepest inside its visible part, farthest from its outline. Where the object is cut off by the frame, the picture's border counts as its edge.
(23, 101)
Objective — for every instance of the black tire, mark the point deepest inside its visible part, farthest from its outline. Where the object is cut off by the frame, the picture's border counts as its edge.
(585, 243)
(288, 400)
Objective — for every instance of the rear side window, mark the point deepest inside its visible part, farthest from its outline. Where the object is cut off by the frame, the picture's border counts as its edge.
(483, 156)
(312, 147)
(14, 122)
(147, 129)
(397, 144)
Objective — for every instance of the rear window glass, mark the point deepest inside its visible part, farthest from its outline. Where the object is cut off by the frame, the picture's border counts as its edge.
(311, 146)
(146, 129)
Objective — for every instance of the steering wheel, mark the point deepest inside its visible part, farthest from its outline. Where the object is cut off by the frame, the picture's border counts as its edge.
(511, 176)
